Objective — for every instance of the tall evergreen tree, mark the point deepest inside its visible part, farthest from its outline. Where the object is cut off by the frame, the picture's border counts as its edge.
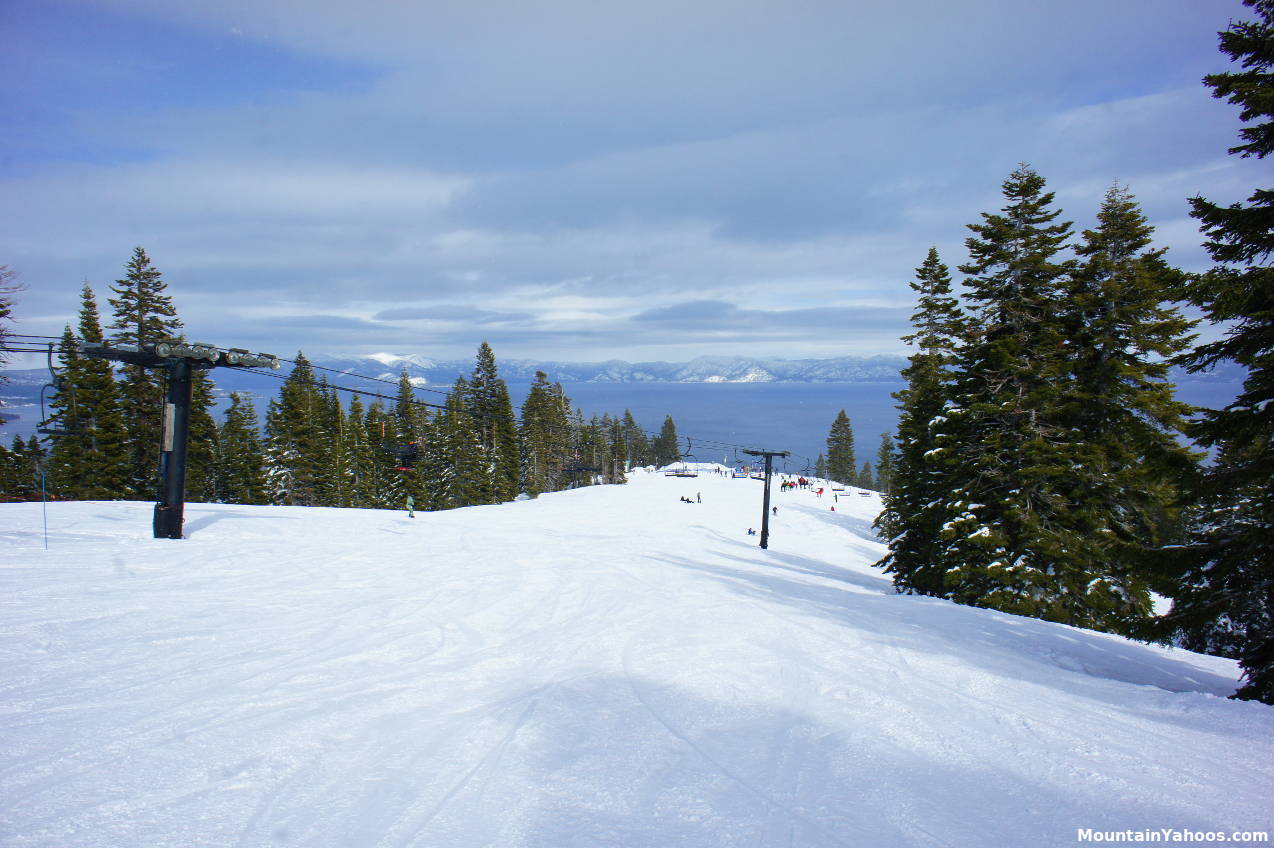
(1225, 594)
(636, 443)
(1010, 543)
(345, 435)
(457, 469)
(545, 436)
(589, 450)
(91, 460)
(617, 458)
(7, 289)
(914, 514)
(884, 465)
(411, 419)
(144, 314)
(841, 467)
(201, 447)
(492, 413)
(11, 482)
(294, 453)
(20, 470)
(1117, 402)
(666, 448)
(240, 456)
(386, 488)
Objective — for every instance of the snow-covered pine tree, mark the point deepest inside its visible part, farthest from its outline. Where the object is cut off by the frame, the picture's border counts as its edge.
(1011, 458)
(386, 489)
(20, 469)
(636, 443)
(201, 449)
(458, 468)
(13, 483)
(544, 436)
(617, 460)
(93, 460)
(293, 436)
(841, 464)
(492, 411)
(597, 447)
(1225, 594)
(143, 314)
(1117, 401)
(411, 420)
(32, 458)
(582, 448)
(347, 436)
(12, 487)
(914, 513)
(240, 457)
(7, 289)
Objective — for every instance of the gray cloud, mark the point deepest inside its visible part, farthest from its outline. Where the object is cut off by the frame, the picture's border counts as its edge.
(457, 314)
(578, 180)
(712, 316)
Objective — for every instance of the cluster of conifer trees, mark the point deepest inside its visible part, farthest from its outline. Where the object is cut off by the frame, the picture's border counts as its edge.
(313, 450)
(839, 464)
(1043, 465)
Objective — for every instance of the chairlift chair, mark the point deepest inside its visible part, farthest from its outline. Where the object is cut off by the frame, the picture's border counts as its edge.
(55, 383)
(405, 456)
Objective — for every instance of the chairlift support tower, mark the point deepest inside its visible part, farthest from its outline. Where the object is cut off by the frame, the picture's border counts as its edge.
(765, 506)
(181, 359)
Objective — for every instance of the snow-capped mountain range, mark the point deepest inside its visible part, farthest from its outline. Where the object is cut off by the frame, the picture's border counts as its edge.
(705, 369)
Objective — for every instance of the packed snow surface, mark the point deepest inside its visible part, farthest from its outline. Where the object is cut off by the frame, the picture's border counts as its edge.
(609, 666)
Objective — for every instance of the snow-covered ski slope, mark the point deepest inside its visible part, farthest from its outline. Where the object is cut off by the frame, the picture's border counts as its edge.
(603, 667)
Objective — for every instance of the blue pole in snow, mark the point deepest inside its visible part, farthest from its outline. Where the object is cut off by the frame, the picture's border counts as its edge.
(44, 508)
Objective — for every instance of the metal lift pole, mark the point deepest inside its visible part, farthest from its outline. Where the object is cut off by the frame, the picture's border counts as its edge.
(171, 508)
(181, 359)
(765, 506)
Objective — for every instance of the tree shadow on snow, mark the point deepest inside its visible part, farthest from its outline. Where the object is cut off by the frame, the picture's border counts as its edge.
(1044, 653)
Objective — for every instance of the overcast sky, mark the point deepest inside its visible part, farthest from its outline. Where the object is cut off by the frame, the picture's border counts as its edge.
(579, 180)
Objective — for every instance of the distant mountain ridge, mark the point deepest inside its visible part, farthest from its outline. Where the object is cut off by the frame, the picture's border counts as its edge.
(22, 384)
(704, 369)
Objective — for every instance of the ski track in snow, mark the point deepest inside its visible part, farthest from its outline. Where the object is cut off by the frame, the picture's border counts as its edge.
(602, 667)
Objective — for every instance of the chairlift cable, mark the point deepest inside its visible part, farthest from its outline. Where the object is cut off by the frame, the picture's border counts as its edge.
(35, 347)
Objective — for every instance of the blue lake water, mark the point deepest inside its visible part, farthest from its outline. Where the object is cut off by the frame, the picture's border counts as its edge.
(775, 416)
(794, 417)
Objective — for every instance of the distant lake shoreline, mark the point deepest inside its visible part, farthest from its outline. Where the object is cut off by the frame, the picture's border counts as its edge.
(772, 415)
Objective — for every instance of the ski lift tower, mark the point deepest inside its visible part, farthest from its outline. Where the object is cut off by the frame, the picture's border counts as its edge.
(181, 359)
(765, 507)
